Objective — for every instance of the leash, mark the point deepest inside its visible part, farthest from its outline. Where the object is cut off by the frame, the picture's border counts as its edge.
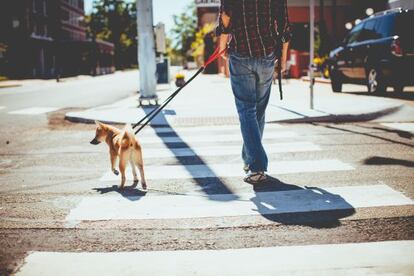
(151, 115)
(216, 54)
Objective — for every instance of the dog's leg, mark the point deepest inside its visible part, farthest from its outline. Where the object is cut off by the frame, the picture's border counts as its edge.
(122, 167)
(134, 172)
(113, 155)
(140, 164)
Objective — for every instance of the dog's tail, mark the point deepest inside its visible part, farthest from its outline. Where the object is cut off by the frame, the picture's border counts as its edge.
(128, 136)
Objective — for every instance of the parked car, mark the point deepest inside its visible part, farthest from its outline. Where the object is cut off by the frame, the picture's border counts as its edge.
(378, 52)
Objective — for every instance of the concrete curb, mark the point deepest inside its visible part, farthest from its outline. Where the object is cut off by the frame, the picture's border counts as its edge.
(331, 118)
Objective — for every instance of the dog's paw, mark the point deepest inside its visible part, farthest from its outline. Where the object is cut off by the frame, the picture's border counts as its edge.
(115, 172)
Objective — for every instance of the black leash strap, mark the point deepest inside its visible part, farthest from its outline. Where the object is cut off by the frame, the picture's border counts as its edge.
(157, 110)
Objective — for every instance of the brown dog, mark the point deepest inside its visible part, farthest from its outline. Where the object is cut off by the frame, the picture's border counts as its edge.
(122, 144)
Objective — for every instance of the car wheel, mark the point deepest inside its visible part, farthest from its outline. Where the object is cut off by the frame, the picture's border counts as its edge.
(375, 81)
(336, 81)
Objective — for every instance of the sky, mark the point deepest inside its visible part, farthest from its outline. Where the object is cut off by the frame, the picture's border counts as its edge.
(163, 10)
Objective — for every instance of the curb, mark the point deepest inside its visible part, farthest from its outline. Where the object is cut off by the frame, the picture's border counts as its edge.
(332, 118)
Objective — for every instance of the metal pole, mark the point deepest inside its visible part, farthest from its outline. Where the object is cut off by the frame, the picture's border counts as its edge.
(312, 49)
(146, 50)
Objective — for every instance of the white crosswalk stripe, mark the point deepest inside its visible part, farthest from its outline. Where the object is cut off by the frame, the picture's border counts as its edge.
(33, 110)
(196, 206)
(2, 107)
(218, 138)
(233, 170)
(227, 150)
(401, 126)
(390, 257)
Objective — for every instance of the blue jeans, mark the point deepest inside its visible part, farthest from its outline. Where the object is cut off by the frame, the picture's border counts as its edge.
(251, 81)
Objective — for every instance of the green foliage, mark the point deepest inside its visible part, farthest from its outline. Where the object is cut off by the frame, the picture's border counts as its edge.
(115, 21)
(184, 30)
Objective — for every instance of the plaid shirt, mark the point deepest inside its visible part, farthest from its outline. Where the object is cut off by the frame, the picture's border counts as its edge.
(257, 27)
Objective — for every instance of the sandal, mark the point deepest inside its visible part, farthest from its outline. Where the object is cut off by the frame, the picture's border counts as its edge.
(255, 178)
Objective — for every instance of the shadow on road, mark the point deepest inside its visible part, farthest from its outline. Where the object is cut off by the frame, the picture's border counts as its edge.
(129, 192)
(211, 185)
(297, 206)
(377, 160)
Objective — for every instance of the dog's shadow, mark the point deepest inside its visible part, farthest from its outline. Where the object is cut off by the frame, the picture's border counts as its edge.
(129, 192)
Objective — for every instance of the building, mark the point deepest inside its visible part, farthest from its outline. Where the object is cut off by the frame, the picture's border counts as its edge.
(405, 4)
(331, 18)
(47, 38)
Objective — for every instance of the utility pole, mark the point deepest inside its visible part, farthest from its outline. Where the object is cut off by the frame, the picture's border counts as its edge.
(312, 50)
(146, 51)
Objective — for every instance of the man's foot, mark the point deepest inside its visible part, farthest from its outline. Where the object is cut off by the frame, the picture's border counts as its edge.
(255, 178)
(246, 168)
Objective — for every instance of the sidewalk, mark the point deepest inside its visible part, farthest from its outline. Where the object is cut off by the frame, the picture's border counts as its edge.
(208, 100)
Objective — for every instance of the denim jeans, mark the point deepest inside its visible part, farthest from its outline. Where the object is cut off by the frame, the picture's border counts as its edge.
(251, 81)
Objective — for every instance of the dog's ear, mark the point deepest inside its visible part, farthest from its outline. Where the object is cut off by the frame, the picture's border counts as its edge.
(99, 124)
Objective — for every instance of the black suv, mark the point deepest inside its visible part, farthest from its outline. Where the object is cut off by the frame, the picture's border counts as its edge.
(378, 52)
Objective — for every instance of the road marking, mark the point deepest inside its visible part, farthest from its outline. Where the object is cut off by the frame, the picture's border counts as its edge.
(236, 137)
(233, 170)
(2, 107)
(94, 208)
(390, 257)
(227, 150)
(34, 110)
(199, 129)
(401, 126)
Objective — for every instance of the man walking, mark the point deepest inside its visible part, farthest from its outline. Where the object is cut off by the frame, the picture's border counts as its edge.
(257, 32)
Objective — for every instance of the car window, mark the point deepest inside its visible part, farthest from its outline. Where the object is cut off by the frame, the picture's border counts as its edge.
(369, 31)
(386, 26)
(353, 35)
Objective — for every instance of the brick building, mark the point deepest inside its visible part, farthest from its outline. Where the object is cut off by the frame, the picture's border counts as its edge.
(334, 14)
(46, 38)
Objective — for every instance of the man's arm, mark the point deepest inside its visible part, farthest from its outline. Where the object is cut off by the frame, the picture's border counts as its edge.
(284, 30)
(223, 28)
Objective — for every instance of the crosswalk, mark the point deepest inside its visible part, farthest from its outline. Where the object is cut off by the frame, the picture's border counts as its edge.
(213, 153)
(33, 111)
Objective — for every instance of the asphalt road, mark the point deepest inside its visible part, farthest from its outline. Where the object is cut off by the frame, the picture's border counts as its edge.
(52, 193)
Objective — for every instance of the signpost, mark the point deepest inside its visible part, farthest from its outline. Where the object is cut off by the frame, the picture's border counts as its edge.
(146, 51)
(312, 50)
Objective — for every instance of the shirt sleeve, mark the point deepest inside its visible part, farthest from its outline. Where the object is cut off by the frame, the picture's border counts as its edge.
(225, 7)
(283, 27)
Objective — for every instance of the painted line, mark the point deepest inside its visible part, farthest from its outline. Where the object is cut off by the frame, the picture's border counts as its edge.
(94, 208)
(401, 126)
(220, 150)
(2, 107)
(233, 170)
(236, 137)
(389, 257)
(33, 111)
(199, 129)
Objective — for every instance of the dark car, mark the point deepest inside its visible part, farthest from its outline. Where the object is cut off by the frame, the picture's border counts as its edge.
(378, 52)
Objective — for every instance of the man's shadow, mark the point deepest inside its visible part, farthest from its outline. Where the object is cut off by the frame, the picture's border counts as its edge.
(129, 192)
(294, 205)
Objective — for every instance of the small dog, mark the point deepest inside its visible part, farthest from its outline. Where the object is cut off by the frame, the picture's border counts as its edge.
(122, 144)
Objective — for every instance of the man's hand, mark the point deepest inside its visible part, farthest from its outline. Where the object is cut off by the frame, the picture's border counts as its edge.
(283, 61)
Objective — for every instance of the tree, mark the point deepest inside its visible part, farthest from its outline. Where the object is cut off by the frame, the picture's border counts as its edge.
(184, 30)
(115, 21)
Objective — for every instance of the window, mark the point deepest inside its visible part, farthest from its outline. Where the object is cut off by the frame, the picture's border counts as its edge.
(44, 7)
(34, 4)
(369, 31)
(385, 26)
(354, 34)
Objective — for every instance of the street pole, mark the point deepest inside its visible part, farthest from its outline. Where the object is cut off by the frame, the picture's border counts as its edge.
(312, 50)
(146, 50)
